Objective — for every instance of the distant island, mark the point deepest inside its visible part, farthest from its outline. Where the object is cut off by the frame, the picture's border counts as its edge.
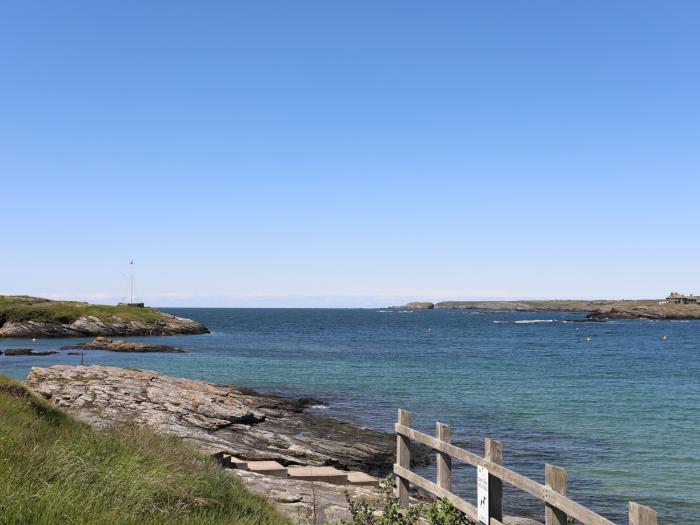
(596, 310)
(24, 316)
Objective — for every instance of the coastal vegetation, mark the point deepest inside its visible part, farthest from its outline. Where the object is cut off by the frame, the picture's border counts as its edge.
(390, 512)
(19, 308)
(54, 469)
(25, 316)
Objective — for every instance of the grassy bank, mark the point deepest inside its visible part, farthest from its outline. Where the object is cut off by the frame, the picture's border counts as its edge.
(54, 469)
(24, 308)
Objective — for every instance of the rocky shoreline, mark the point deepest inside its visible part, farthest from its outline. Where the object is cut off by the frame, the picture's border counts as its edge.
(216, 418)
(221, 419)
(658, 312)
(91, 326)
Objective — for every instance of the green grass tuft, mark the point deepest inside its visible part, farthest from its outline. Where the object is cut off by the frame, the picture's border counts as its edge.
(54, 469)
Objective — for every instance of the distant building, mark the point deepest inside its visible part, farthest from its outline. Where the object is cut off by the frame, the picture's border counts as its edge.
(678, 298)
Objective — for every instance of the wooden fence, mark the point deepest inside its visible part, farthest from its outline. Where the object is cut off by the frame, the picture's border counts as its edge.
(553, 493)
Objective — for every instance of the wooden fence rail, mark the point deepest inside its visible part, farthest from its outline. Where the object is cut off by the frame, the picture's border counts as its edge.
(553, 493)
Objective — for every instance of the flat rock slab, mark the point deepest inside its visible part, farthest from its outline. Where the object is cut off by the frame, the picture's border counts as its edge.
(269, 468)
(216, 418)
(324, 474)
(362, 479)
(300, 500)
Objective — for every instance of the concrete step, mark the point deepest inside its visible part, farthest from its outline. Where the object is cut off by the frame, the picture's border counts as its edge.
(234, 462)
(325, 474)
(269, 468)
(362, 479)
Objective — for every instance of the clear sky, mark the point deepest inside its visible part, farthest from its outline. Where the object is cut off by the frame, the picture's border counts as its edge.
(349, 153)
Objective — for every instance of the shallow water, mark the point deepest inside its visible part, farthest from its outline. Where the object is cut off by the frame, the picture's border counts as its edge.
(620, 412)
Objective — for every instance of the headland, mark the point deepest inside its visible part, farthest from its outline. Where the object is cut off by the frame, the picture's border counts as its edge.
(24, 316)
(596, 310)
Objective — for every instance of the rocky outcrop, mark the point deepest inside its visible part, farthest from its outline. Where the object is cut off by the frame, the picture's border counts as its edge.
(215, 418)
(103, 343)
(660, 312)
(26, 351)
(166, 324)
(415, 305)
(553, 305)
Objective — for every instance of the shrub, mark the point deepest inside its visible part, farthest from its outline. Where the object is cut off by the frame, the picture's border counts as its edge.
(391, 513)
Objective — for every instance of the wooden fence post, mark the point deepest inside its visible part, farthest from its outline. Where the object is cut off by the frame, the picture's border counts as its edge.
(444, 461)
(494, 453)
(555, 478)
(403, 456)
(641, 515)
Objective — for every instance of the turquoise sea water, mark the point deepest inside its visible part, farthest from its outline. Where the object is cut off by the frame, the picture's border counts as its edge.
(620, 412)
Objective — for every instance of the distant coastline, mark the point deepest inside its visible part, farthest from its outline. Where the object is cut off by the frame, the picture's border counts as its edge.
(595, 310)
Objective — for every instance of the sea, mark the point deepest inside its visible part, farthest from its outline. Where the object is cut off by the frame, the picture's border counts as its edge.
(616, 404)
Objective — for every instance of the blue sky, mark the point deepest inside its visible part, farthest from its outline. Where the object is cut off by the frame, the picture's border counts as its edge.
(349, 154)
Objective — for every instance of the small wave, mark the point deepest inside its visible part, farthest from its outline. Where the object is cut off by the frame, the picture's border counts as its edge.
(319, 407)
(385, 311)
(530, 321)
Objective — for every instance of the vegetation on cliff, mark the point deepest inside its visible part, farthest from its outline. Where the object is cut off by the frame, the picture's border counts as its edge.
(24, 316)
(54, 469)
(19, 308)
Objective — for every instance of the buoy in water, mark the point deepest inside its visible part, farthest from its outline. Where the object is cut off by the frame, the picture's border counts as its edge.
(664, 337)
(589, 339)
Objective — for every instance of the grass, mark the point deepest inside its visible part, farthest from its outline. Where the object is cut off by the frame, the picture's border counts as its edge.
(54, 469)
(25, 308)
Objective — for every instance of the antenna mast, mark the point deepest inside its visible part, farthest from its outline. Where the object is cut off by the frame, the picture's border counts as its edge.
(131, 283)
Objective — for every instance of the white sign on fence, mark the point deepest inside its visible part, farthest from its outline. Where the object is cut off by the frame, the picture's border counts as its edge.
(482, 494)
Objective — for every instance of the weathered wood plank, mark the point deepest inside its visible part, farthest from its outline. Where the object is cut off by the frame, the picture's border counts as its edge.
(444, 461)
(494, 453)
(563, 503)
(403, 456)
(555, 478)
(641, 515)
(510, 477)
(575, 510)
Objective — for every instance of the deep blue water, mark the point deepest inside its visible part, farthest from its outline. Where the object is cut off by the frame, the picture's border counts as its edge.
(620, 412)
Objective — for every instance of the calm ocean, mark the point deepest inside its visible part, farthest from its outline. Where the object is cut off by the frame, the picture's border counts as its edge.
(621, 411)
